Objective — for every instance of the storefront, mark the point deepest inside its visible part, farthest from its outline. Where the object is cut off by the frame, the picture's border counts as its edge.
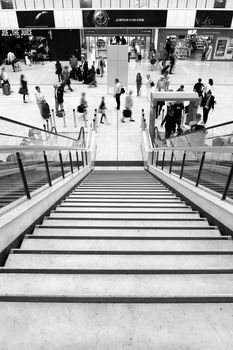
(189, 43)
(95, 41)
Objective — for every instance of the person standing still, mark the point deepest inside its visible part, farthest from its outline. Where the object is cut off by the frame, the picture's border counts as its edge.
(66, 77)
(59, 98)
(58, 71)
(207, 103)
(40, 99)
(101, 65)
(73, 65)
(138, 83)
(117, 93)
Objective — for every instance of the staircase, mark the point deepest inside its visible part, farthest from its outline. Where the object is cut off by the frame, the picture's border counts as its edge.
(122, 263)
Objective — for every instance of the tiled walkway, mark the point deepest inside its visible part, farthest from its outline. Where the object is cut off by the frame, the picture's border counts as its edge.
(186, 72)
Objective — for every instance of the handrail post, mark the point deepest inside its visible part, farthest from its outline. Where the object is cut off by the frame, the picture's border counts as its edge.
(47, 124)
(82, 158)
(47, 169)
(71, 165)
(182, 166)
(61, 163)
(152, 157)
(157, 158)
(77, 159)
(54, 119)
(163, 159)
(75, 121)
(200, 168)
(86, 157)
(228, 183)
(23, 176)
(171, 162)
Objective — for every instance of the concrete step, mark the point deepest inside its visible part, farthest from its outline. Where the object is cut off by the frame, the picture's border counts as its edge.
(94, 209)
(122, 196)
(122, 216)
(120, 191)
(118, 206)
(181, 223)
(127, 200)
(128, 245)
(119, 287)
(194, 233)
(116, 326)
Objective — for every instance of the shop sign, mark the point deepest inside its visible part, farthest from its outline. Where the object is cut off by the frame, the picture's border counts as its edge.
(213, 18)
(219, 3)
(124, 18)
(124, 31)
(35, 19)
(17, 33)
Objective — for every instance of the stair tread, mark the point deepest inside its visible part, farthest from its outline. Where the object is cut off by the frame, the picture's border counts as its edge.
(122, 245)
(171, 261)
(127, 215)
(117, 285)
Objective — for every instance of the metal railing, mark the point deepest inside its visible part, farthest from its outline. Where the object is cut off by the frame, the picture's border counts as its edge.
(209, 167)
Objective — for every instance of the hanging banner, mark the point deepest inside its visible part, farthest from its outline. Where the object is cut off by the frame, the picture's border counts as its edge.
(35, 19)
(213, 18)
(124, 18)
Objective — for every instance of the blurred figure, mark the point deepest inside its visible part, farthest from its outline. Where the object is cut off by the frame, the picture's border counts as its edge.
(84, 105)
(23, 90)
(172, 59)
(84, 69)
(101, 65)
(58, 71)
(102, 108)
(11, 59)
(59, 98)
(6, 88)
(40, 99)
(138, 83)
(127, 113)
(148, 86)
(66, 78)
(198, 87)
(207, 104)
(73, 65)
(166, 81)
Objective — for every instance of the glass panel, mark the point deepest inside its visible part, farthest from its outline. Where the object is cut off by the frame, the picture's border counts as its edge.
(167, 160)
(7, 4)
(177, 162)
(215, 171)
(29, 4)
(191, 166)
(230, 190)
(54, 164)
(11, 185)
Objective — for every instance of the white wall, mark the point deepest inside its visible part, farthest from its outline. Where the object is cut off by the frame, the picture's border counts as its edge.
(181, 18)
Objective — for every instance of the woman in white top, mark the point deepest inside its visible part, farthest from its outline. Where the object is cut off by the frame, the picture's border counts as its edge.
(148, 86)
(40, 99)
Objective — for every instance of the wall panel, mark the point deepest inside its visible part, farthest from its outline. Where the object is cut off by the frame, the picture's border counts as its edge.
(39, 4)
(182, 4)
(96, 4)
(191, 4)
(58, 4)
(163, 4)
(172, 4)
(49, 4)
(153, 4)
(68, 19)
(30, 5)
(12, 19)
(4, 22)
(20, 4)
(59, 19)
(77, 18)
(67, 4)
(200, 4)
(210, 4)
(115, 4)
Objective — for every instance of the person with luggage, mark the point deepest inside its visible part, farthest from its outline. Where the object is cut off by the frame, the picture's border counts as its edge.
(23, 90)
(82, 108)
(58, 71)
(66, 78)
(40, 99)
(138, 83)
(127, 113)
(11, 59)
(102, 108)
(6, 88)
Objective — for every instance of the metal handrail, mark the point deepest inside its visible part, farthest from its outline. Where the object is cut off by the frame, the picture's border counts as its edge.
(35, 128)
(212, 149)
(13, 148)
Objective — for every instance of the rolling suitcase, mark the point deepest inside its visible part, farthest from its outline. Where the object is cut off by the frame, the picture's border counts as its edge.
(6, 89)
(127, 113)
(45, 111)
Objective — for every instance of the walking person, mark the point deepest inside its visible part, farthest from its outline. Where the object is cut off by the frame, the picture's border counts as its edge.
(58, 71)
(172, 59)
(23, 90)
(148, 86)
(117, 93)
(127, 113)
(40, 99)
(11, 59)
(6, 88)
(207, 104)
(66, 77)
(73, 65)
(102, 108)
(169, 121)
(82, 108)
(138, 83)
(198, 87)
(84, 70)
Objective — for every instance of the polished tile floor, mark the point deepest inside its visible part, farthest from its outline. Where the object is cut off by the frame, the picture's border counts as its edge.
(114, 138)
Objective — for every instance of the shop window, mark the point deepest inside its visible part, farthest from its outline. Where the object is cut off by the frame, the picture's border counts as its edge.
(7, 4)
(29, 4)
(153, 4)
(210, 4)
(48, 4)
(58, 4)
(191, 4)
(172, 4)
(86, 3)
(67, 4)
(39, 4)
(182, 4)
(96, 4)
(20, 4)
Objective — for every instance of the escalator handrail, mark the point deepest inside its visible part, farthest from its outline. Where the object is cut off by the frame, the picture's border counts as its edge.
(35, 127)
(207, 149)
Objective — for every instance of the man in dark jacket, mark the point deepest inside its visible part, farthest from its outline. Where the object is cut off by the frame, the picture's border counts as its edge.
(59, 98)
(207, 103)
